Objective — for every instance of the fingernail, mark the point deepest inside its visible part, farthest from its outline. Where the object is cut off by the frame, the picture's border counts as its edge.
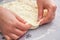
(40, 21)
(45, 12)
(28, 25)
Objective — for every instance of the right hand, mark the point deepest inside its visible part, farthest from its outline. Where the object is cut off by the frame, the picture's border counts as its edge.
(11, 25)
(50, 12)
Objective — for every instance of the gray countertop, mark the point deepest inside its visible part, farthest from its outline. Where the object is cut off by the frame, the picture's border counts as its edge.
(49, 31)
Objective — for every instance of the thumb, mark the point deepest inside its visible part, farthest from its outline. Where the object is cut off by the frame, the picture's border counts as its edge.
(40, 10)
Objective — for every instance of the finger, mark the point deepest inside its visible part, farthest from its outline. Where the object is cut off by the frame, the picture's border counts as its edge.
(22, 26)
(18, 32)
(13, 36)
(7, 37)
(19, 18)
(40, 10)
(10, 36)
(46, 18)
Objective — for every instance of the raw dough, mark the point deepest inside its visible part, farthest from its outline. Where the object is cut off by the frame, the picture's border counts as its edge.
(26, 9)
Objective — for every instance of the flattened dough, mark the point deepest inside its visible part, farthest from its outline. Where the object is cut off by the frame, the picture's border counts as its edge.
(26, 9)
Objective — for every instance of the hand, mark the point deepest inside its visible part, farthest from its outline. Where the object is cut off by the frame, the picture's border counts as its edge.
(11, 25)
(51, 8)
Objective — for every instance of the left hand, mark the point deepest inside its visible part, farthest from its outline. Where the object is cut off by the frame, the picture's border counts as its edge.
(11, 25)
(50, 6)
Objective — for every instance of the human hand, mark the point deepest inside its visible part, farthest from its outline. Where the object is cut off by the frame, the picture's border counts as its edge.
(51, 8)
(11, 25)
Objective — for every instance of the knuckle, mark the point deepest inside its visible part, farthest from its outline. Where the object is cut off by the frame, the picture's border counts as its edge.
(53, 6)
(14, 23)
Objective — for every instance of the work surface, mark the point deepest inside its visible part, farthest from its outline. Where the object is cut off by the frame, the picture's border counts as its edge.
(49, 31)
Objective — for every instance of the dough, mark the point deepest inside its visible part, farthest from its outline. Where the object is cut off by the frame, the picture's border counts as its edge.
(26, 9)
